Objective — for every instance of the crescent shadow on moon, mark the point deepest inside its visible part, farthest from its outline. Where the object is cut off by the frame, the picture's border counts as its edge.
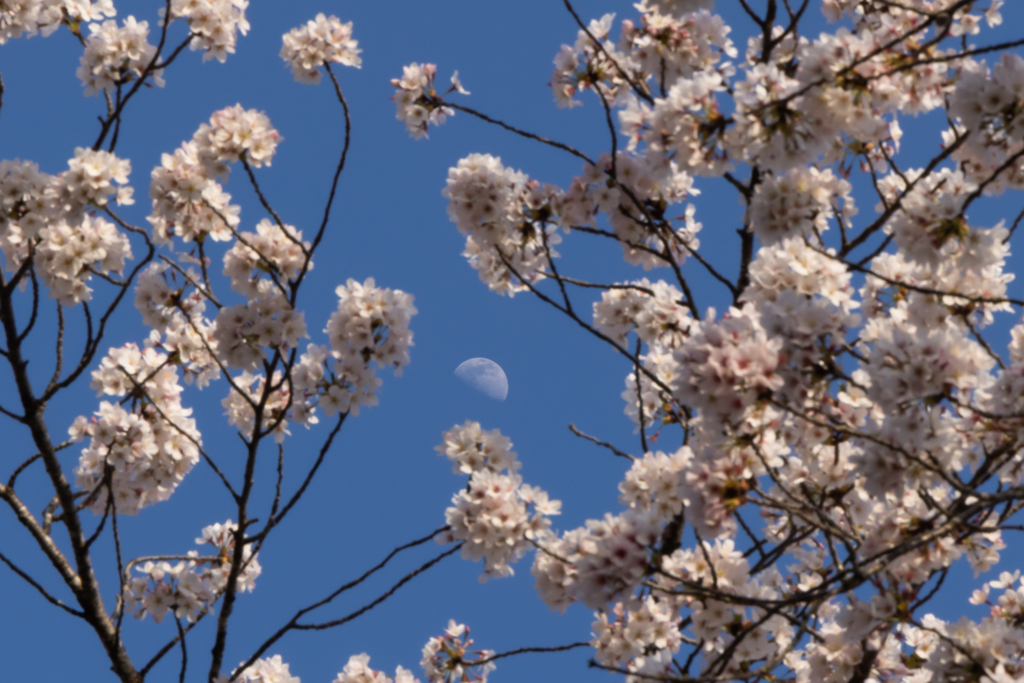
(485, 376)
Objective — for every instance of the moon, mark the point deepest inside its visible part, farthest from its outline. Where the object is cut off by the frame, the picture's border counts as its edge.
(484, 375)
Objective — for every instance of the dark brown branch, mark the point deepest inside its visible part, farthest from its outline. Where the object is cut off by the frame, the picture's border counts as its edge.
(518, 131)
(595, 440)
(293, 622)
(42, 591)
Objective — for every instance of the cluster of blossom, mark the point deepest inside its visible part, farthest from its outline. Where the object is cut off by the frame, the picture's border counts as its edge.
(234, 133)
(686, 125)
(806, 300)
(813, 330)
(801, 100)
(114, 56)
(214, 24)
(187, 201)
(891, 272)
(444, 658)
(662, 321)
(371, 323)
(930, 226)
(908, 362)
(66, 257)
(492, 516)
(141, 453)
(641, 640)
(29, 17)
(634, 192)
(179, 327)
(961, 21)
(492, 519)
(726, 466)
(503, 215)
(656, 311)
(25, 197)
(418, 102)
(473, 450)
(189, 588)
(673, 47)
(928, 648)
(273, 248)
(595, 66)
(358, 671)
(242, 331)
(988, 106)
(92, 176)
(797, 203)
(644, 243)
(312, 385)
(321, 40)
(267, 670)
(657, 482)
(267, 320)
(652, 399)
(597, 563)
(723, 565)
(246, 394)
(724, 366)
(794, 265)
(844, 85)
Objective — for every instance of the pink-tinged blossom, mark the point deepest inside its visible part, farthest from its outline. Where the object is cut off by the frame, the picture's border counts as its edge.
(656, 312)
(472, 449)
(673, 45)
(597, 563)
(640, 640)
(505, 217)
(445, 658)
(186, 202)
(726, 366)
(214, 24)
(67, 256)
(232, 133)
(176, 311)
(493, 521)
(322, 40)
(418, 103)
(370, 324)
(188, 588)
(26, 197)
(987, 104)
(266, 670)
(686, 124)
(496, 517)
(92, 177)
(115, 56)
(31, 17)
(799, 203)
(590, 66)
(272, 249)
(146, 445)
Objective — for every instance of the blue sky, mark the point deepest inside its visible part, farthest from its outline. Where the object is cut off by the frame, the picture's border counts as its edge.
(382, 485)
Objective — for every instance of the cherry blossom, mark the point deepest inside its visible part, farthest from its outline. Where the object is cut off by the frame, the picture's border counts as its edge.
(444, 658)
(115, 56)
(214, 24)
(321, 40)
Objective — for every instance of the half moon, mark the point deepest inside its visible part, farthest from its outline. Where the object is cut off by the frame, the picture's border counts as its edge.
(484, 375)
